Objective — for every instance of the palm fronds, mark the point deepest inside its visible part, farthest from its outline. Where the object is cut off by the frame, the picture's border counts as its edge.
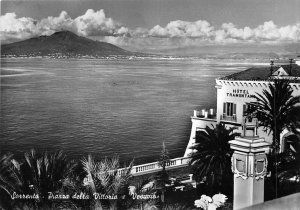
(9, 181)
(277, 109)
(43, 173)
(105, 178)
(212, 159)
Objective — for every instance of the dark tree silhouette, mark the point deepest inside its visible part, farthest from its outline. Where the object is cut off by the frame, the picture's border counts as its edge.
(44, 173)
(162, 177)
(276, 109)
(105, 178)
(9, 181)
(211, 161)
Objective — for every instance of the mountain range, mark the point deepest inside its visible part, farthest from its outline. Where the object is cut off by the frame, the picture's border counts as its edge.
(62, 44)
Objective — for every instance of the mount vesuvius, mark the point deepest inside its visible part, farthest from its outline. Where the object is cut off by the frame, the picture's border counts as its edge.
(62, 44)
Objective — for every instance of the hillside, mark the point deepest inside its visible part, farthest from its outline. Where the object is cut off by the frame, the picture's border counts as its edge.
(62, 44)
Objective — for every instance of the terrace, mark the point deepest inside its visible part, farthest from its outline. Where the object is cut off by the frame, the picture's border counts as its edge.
(207, 115)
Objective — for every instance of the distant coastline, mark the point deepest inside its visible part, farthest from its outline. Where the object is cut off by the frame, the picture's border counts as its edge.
(65, 44)
(234, 57)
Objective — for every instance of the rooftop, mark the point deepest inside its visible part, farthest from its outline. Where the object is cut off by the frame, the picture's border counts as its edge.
(264, 73)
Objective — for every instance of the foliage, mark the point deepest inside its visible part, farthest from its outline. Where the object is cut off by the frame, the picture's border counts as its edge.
(105, 178)
(164, 157)
(8, 180)
(276, 109)
(212, 159)
(145, 187)
(162, 177)
(41, 174)
(289, 168)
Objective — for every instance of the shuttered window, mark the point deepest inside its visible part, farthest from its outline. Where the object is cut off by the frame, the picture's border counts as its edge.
(229, 109)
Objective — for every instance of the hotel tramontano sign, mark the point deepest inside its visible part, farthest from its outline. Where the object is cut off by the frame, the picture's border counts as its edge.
(241, 93)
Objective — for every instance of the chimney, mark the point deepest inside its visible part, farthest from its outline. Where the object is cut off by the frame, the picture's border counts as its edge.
(271, 68)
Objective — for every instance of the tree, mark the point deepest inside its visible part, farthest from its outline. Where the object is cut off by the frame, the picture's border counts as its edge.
(289, 167)
(162, 177)
(9, 181)
(41, 174)
(276, 109)
(164, 157)
(212, 159)
(105, 178)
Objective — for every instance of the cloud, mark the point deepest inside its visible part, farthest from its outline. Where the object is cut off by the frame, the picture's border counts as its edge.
(176, 33)
(51, 24)
(269, 31)
(12, 28)
(228, 32)
(178, 28)
(96, 23)
(92, 23)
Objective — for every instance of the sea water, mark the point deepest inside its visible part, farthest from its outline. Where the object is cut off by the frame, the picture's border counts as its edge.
(105, 107)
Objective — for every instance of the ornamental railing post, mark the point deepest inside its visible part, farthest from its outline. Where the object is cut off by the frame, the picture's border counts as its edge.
(249, 166)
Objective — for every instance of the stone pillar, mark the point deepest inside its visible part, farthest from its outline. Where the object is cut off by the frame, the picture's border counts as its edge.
(249, 165)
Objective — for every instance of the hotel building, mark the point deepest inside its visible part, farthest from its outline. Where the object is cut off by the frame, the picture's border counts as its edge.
(233, 94)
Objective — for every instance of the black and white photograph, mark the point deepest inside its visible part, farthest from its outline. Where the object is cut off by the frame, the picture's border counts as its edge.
(149, 104)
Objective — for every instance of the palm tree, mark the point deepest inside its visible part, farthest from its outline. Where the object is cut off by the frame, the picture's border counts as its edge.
(9, 181)
(103, 177)
(212, 159)
(289, 167)
(276, 109)
(41, 174)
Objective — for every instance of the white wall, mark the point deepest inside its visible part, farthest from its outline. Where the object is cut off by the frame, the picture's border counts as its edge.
(227, 87)
(197, 124)
(224, 88)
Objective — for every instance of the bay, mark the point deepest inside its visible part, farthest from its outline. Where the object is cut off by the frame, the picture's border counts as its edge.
(105, 107)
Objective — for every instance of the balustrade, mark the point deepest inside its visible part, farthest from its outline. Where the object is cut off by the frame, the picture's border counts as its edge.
(228, 118)
(149, 167)
(154, 166)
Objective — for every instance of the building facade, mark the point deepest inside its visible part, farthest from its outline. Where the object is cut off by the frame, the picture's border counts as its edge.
(235, 91)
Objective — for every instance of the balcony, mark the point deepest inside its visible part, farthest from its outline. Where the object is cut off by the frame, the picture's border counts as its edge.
(224, 117)
(205, 114)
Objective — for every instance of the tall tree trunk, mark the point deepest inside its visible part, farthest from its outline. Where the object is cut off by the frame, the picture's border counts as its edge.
(276, 141)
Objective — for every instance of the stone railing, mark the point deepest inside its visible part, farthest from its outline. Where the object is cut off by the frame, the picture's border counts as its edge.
(154, 166)
(150, 167)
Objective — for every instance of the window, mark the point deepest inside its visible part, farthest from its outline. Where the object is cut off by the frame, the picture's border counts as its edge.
(245, 108)
(229, 109)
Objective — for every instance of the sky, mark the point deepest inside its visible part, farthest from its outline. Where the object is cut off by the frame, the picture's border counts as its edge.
(156, 25)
